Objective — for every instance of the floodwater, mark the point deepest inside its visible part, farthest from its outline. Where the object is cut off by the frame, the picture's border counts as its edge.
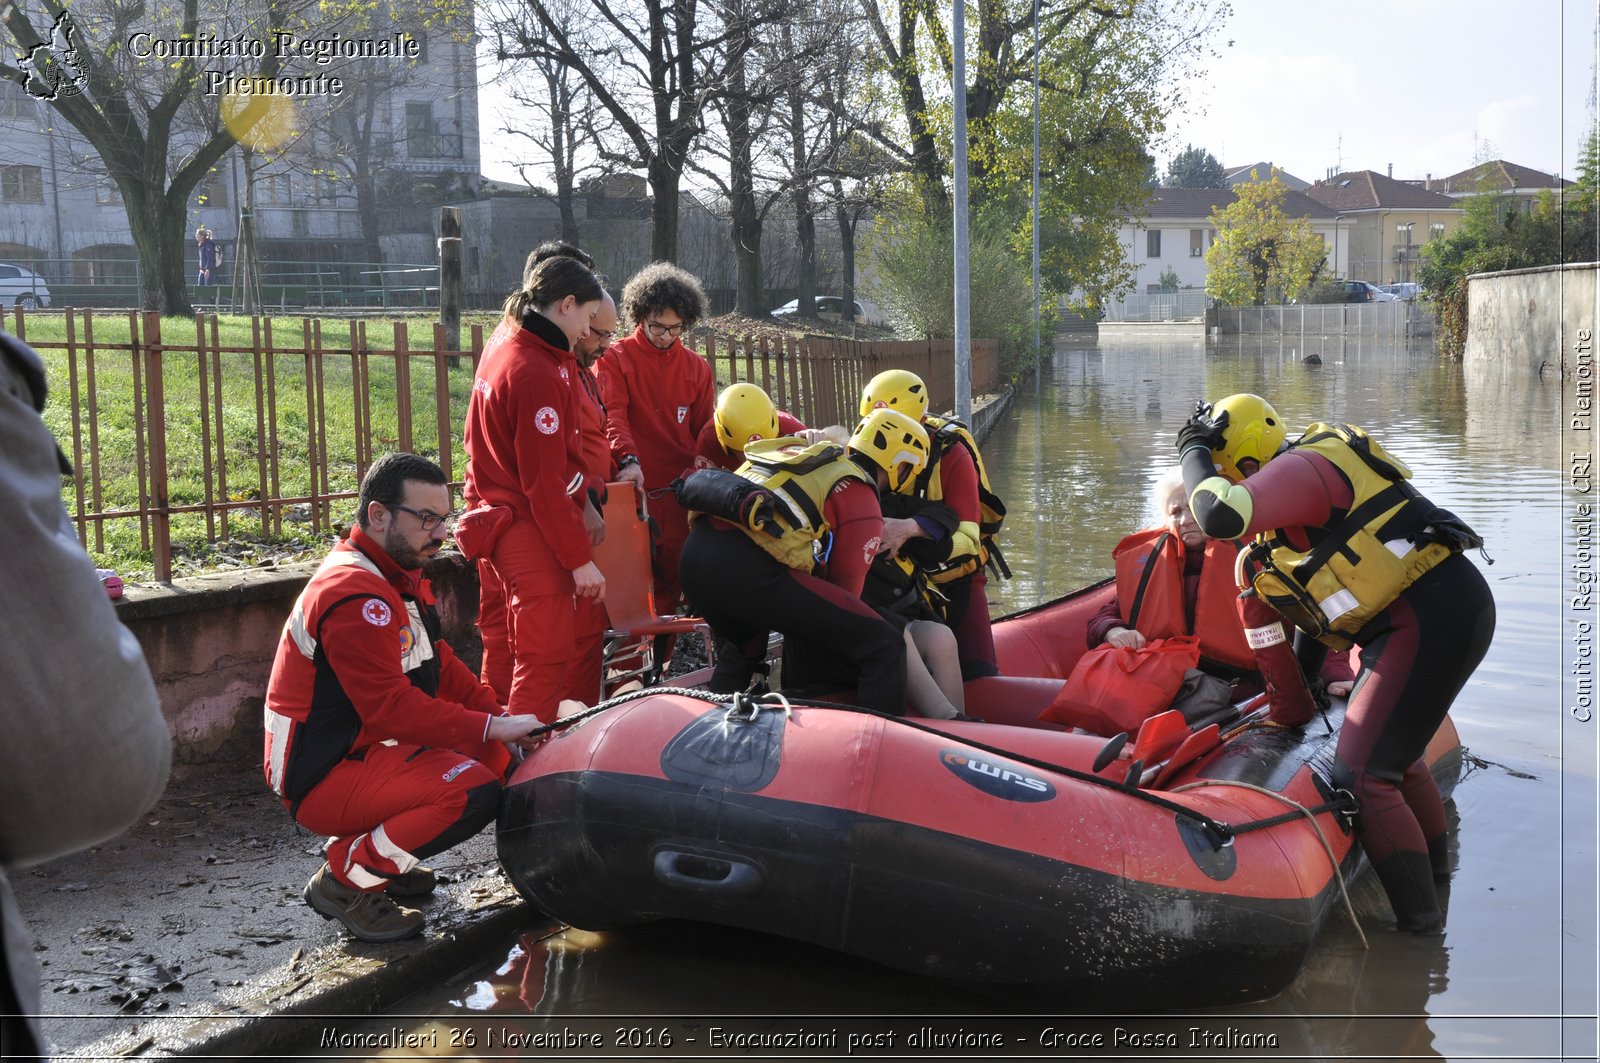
(1514, 976)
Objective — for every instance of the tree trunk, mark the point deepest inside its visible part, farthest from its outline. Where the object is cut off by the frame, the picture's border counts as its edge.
(746, 231)
(367, 212)
(744, 218)
(927, 171)
(805, 217)
(664, 178)
(158, 237)
(847, 262)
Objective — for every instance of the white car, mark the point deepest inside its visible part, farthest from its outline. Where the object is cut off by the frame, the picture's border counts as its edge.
(22, 287)
(1378, 294)
(1404, 290)
(830, 307)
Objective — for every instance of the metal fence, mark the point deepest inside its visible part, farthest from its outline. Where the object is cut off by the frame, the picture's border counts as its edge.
(115, 283)
(1398, 319)
(1185, 305)
(183, 434)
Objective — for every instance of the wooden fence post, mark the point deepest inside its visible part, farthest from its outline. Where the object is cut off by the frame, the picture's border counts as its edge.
(450, 277)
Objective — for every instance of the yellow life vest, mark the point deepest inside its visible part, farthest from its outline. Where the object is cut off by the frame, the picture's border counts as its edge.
(801, 477)
(1362, 563)
(973, 543)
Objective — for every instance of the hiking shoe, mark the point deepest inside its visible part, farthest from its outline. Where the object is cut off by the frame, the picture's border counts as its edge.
(368, 916)
(417, 883)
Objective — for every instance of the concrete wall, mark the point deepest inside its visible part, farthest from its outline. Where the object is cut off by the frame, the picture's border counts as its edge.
(1528, 320)
(209, 641)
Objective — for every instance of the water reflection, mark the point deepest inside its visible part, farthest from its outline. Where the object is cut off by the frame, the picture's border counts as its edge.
(1074, 460)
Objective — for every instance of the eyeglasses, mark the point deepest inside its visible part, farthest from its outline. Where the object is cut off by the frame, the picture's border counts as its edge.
(428, 520)
(604, 335)
(657, 329)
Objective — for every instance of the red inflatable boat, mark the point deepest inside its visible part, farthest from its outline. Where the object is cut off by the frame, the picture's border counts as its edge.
(1185, 867)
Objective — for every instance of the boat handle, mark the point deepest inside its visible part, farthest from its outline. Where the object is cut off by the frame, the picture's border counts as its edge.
(693, 871)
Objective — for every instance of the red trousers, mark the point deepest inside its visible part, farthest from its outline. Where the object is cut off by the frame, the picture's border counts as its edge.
(540, 622)
(492, 630)
(396, 806)
(588, 644)
(674, 525)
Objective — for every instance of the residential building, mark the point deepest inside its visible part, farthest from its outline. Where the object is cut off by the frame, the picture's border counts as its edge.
(1388, 221)
(1240, 175)
(1175, 231)
(1521, 186)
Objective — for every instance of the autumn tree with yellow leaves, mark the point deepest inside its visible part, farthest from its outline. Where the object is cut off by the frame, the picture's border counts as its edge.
(1261, 253)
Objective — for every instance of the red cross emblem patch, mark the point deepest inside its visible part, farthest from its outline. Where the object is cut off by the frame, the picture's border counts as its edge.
(546, 420)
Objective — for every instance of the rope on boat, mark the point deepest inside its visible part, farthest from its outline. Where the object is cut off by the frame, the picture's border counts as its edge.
(745, 707)
(1300, 810)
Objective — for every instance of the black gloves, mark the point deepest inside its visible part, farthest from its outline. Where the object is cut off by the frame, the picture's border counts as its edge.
(1201, 430)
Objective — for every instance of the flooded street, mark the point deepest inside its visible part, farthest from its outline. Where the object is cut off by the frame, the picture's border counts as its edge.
(1074, 459)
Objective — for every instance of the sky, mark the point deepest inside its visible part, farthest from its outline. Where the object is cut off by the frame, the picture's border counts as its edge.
(1430, 86)
(1427, 85)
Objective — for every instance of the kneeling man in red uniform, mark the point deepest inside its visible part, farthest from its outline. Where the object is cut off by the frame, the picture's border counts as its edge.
(376, 734)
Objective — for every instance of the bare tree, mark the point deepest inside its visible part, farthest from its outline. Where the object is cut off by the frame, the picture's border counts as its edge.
(655, 68)
(563, 122)
(128, 108)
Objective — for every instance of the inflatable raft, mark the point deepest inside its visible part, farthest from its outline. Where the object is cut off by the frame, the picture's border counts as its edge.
(1184, 867)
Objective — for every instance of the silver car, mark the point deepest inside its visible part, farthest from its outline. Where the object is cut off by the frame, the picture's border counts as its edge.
(22, 287)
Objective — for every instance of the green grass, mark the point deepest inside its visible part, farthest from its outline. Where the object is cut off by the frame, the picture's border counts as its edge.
(109, 440)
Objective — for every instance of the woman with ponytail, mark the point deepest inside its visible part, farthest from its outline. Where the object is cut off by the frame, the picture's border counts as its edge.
(524, 482)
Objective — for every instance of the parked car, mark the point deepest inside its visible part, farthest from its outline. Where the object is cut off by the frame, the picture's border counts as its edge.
(1378, 294)
(22, 287)
(1353, 292)
(830, 307)
(1404, 290)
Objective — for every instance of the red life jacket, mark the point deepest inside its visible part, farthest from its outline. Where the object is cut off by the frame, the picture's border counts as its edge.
(1150, 594)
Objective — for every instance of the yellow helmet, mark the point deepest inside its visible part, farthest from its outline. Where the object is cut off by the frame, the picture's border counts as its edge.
(895, 443)
(744, 414)
(896, 389)
(1254, 430)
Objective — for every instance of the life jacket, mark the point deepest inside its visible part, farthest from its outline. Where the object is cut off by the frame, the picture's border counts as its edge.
(800, 477)
(1387, 539)
(1150, 594)
(974, 545)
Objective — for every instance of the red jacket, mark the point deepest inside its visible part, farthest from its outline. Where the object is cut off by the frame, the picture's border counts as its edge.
(709, 453)
(360, 662)
(598, 465)
(523, 435)
(656, 404)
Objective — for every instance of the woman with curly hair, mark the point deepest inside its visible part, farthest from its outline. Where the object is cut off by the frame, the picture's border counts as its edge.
(658, 395)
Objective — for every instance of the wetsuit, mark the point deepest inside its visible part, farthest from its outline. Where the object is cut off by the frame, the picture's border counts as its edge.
(656, 404)
(744, 592)
(375, 732)
(1416, 654)
(525, 454)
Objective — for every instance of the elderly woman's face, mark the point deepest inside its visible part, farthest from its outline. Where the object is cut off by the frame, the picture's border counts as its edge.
(1181, 522)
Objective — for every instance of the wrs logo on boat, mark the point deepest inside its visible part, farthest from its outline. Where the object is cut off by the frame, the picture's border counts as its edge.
(996, 779)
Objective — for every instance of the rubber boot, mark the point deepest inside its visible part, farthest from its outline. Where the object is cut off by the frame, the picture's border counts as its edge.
(736, 666)
(1407, 878)
(1439, 858)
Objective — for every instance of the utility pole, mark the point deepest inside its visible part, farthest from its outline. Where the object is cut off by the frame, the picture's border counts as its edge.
(963, 325)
